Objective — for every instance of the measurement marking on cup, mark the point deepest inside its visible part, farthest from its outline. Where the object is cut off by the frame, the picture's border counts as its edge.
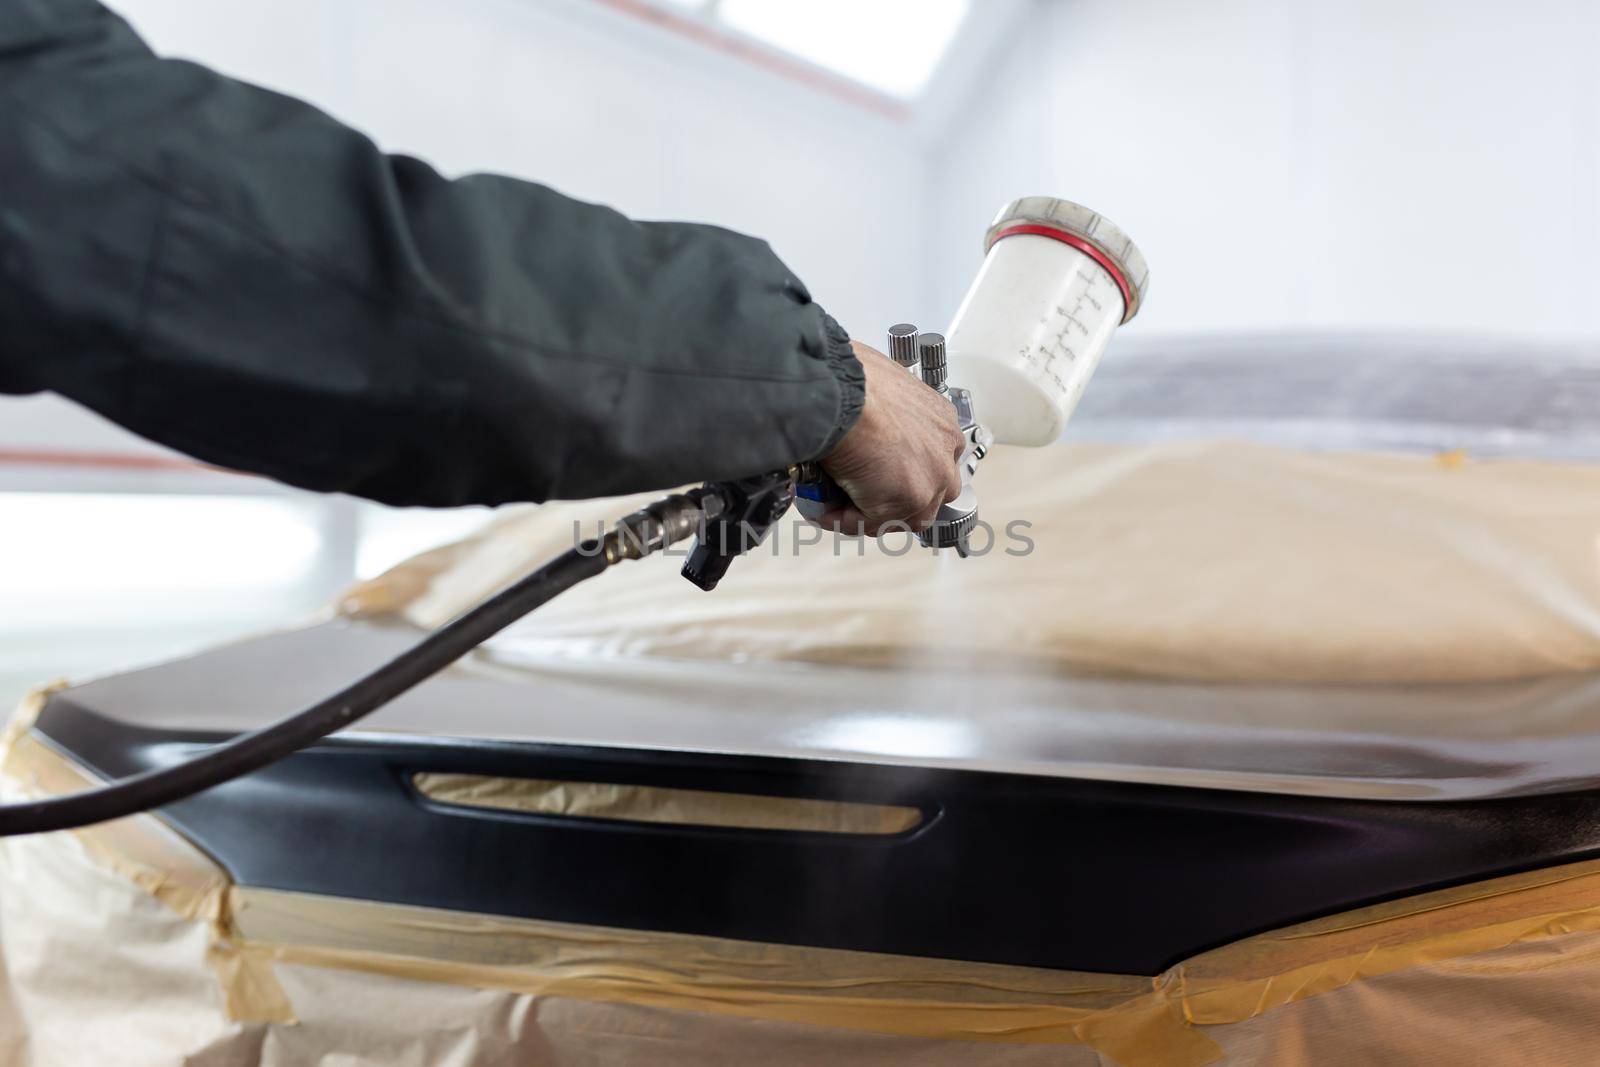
(1058, 278)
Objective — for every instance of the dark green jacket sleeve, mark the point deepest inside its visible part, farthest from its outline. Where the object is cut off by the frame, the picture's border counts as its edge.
(232, 273)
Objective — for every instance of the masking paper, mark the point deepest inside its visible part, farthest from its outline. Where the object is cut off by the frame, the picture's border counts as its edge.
(1208, 561)
(655, 804)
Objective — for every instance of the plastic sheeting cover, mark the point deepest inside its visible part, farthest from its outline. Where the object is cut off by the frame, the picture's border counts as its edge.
(1200, 561)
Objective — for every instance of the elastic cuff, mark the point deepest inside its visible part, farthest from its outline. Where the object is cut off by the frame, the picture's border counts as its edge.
(852, 377)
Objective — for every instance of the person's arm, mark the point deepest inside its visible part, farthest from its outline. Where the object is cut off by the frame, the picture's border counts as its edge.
(234, 274)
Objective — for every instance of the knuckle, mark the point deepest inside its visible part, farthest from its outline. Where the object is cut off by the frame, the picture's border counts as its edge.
(907, 505)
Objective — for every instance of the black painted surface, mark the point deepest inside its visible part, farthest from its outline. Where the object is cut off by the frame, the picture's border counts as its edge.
(1036, 871)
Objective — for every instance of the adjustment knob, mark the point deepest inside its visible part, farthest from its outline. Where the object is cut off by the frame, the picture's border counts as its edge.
(930, 347)
(903, 344)
(949, 533)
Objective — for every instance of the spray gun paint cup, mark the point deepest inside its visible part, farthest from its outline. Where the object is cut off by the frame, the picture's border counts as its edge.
(1057, 280)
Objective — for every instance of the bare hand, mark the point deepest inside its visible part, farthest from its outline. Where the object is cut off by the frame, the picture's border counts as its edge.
(899, 462)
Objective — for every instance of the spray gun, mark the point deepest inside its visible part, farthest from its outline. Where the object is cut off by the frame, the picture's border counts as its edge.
(924, 356)
(1057, 280)
(761, 502)
(952, 526)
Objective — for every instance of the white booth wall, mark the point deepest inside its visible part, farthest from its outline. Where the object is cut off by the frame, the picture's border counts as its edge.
(1432, 164)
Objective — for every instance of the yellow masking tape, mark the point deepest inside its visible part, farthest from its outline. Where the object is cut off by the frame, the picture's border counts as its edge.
(852, 990)
(1132, 1019)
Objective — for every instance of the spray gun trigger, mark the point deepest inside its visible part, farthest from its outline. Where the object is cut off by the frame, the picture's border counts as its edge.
(752, 506)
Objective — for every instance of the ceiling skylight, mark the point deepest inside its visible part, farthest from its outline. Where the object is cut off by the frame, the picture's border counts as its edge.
(893, 46)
